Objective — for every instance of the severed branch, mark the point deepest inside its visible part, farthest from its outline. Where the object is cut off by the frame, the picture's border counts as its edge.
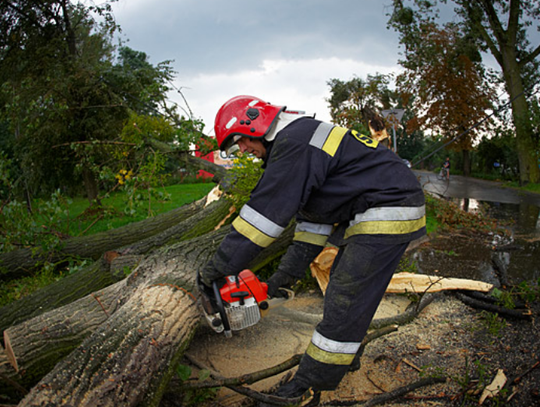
(505, 312)
(408, 315)
(394, 394)
(220, 381)
(520, 376)
(235, 384)
(391, 395)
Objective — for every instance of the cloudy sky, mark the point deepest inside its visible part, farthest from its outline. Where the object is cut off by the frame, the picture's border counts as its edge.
(283, 51)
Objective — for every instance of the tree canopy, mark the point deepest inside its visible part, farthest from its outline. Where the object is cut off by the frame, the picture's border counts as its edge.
(499, 27)
(67, 95)
(353, 103)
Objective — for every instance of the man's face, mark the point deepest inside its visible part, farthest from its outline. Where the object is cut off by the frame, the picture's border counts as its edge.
(253, 146)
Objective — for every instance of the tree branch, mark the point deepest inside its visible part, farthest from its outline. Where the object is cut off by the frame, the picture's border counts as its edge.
(394, 394)
(530, 57)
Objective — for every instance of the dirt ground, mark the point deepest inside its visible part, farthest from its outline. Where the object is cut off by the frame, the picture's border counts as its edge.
(448, 339)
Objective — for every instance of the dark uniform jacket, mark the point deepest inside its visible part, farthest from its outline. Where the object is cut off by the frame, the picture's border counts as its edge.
(327, 176)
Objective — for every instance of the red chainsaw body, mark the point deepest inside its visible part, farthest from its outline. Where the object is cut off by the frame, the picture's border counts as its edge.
(239, 289)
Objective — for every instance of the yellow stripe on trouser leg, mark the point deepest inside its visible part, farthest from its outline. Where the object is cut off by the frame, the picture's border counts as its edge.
(329, 358)
(386, 227)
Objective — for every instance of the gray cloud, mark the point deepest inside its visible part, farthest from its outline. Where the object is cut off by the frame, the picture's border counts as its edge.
(284, 51)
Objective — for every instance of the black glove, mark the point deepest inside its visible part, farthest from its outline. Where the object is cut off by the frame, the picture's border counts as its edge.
(209, 274)
(276, 281)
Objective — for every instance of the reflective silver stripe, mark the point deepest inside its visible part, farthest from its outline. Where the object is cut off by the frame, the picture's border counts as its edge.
(316, 228)
(262, 223)
(321, 133)
(392, 213)
(329, 345)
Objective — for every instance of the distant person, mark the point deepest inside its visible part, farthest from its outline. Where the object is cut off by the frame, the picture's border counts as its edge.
(446, 169)
(340, 185)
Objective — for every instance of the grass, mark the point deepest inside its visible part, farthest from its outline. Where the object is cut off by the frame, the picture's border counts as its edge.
(84, 219)
(534, 188)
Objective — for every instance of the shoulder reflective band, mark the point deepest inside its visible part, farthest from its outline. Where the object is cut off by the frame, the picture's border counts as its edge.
(332, 352)
(314, 233)
(392, 220)
(327, 137)
(257, 228)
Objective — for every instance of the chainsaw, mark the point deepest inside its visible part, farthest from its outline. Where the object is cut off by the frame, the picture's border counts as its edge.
(239, 303)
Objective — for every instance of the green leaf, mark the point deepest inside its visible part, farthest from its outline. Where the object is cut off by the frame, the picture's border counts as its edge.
(183, 372)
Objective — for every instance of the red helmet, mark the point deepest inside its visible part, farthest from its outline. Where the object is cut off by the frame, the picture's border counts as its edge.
(245, 116)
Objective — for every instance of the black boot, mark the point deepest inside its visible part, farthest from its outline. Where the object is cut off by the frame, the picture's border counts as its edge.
(306, 396)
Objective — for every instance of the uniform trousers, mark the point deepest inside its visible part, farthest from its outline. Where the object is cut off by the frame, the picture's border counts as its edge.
(358, 280)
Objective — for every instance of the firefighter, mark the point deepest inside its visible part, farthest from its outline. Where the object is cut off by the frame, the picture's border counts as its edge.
(344, 188)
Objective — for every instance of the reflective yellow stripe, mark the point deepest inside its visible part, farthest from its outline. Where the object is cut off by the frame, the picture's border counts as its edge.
(329, 358)
(313, 238)
(390, 213)
(334, 139)
(261, 222)
(367, 141)
(387, 227)
(252, 233)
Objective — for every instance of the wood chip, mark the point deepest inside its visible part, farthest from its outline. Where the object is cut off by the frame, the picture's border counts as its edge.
(494, 387)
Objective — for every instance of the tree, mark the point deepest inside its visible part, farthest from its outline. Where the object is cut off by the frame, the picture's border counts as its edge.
(353, 103)
(450, 94)
(500, 28)
(68, 101)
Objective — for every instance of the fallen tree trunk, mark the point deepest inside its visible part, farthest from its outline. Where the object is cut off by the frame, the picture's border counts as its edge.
(129, 360)
(134, 334)
(23, 261)
(105, 272)
(36, 345)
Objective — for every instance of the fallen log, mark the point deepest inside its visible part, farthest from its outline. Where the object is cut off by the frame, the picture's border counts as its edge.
(38, 344)
(103, 273)
(130, 356)
(23, 261)
(129, 360)
(401, 283)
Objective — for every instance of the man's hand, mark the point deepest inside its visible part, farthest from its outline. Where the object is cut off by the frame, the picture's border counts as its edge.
(209, 274)
(276, 281)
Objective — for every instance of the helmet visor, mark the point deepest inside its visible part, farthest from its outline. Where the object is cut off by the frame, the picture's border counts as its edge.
(230, 146)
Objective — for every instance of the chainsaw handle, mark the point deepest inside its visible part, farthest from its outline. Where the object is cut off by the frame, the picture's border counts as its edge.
(221, 310)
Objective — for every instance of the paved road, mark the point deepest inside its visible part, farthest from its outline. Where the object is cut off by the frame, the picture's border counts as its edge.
(472, 188)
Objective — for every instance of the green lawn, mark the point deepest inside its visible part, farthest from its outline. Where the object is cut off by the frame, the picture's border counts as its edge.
(83, 220)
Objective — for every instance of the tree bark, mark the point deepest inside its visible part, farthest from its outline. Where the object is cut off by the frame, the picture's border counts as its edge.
(106, 319)
(131, 332)
(93, 246)
(110, 268)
